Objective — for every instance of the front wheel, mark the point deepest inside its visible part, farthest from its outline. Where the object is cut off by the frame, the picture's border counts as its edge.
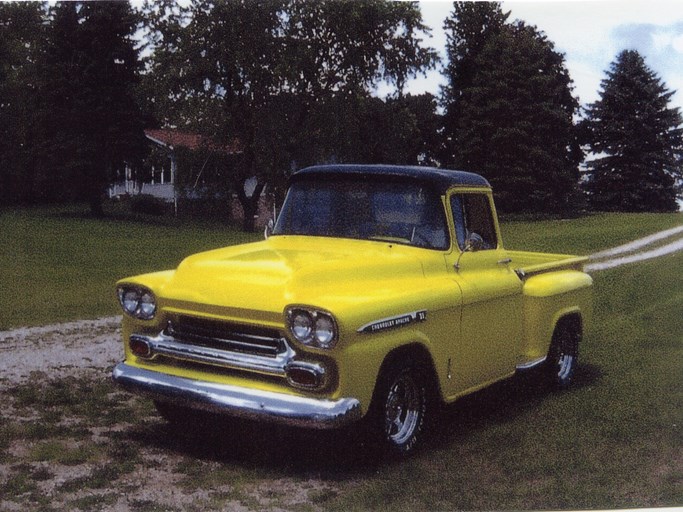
(563, 355)
(400, 408)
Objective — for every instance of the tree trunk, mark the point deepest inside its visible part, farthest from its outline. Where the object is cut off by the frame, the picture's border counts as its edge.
(96, 209)
(250, 206)
(249, 221)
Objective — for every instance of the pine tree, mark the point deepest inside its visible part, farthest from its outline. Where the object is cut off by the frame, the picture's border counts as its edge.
(638, 140)
(91, 122)
(21, 29)
(511, 112)
(469, 28)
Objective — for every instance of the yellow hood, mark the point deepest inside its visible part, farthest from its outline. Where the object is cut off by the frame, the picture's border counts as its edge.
(283, 270)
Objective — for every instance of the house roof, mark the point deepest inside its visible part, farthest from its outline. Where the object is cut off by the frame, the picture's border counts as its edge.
(176, 138)
(441, 179)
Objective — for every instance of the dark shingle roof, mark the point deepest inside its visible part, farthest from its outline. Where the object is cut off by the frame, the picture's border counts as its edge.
(441, 179)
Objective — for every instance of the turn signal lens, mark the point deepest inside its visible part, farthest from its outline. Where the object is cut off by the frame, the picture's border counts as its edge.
(140, 347)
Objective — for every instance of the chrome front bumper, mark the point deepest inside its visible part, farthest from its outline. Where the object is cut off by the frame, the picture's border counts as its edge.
(239, 401)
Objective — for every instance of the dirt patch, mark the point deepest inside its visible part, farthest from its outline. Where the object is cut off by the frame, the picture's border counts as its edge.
(70, 440)
(88, 346)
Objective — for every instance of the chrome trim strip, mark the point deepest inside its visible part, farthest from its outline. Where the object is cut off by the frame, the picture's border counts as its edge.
(532, 364)
(238, 401)
(163, 345)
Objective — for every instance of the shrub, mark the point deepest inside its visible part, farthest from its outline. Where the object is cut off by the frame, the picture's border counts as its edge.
(147, 205)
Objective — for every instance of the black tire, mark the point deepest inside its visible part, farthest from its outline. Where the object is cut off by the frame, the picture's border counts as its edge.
(400, 407)
(563, 356)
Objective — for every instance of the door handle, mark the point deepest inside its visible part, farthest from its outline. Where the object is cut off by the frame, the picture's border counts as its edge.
(505, 261)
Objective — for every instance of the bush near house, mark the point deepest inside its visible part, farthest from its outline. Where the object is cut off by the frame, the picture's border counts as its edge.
(148, 205)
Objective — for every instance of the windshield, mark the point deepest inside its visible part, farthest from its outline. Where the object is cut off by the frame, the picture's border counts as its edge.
(395, 211)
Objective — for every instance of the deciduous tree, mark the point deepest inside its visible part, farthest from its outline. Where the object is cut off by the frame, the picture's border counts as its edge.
(258, 71)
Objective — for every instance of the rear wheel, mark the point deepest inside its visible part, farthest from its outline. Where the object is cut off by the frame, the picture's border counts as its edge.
(563, 355)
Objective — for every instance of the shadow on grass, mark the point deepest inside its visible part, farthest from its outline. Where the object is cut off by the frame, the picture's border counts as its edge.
(502, 402)
(328, 454)
(341, 454)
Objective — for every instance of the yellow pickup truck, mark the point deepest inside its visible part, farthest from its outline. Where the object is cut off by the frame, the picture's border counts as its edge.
(380, 292)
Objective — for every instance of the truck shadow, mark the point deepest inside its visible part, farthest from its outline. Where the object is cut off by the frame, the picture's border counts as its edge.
(503, 402)
(348, 453)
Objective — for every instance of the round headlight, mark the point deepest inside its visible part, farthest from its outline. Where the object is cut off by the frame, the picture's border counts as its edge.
(147, 306)
(302, 326)
(324, 331)
(311, 327)
(129, 300)
(137, 302)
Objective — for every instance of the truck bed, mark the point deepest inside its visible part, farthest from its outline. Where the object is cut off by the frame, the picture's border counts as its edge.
(529, 263)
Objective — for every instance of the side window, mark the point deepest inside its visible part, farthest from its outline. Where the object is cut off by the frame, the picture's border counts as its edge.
(472, 214)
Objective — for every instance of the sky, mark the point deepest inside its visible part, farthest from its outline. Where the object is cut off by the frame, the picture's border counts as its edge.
(590, 34)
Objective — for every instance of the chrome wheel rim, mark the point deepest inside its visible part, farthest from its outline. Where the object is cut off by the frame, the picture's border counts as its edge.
(403, 409)
(566, 359)
(565, 366)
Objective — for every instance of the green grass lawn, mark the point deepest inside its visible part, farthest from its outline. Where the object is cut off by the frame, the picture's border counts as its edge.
(585, 235)
(612, 441)
(59, 264)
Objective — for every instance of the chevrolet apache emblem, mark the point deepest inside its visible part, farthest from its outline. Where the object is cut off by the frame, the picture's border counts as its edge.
(394, 321)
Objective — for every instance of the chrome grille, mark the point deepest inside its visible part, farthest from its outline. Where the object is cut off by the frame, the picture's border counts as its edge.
(226, 336)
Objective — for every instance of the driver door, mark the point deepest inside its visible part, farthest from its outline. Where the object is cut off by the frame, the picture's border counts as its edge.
(491, 315)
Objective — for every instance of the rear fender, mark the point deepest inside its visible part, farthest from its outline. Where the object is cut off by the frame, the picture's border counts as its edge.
(548, 298)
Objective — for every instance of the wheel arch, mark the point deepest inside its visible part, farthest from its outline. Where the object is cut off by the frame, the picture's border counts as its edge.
(572, 318)
(419, 354)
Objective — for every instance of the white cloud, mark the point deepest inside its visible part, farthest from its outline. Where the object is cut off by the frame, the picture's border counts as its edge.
(591, 34)
(677, 43)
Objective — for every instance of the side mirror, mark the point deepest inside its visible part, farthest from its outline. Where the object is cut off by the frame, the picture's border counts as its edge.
(474, 243)
(269, 229)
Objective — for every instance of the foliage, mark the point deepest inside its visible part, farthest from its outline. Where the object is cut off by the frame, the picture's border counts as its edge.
(262, 72)
(400, 130)
(509, 110)
(637, 139)
(89, 119)
(147, 205)
(67, 115)
(21, 32)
